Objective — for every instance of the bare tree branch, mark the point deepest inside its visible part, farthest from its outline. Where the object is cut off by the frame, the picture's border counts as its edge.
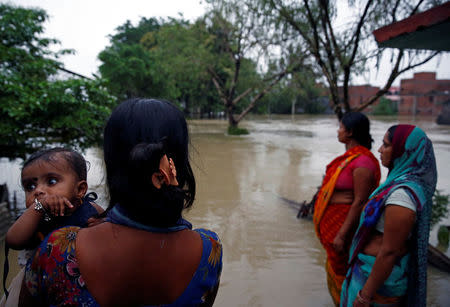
(333, 37)
(245, 93)
(394, 11)
(259, 96)
(237, 68)
(394, 74)
(327, 44)
(222, 95)
(416, 8)
(346, 66)
(411, 66)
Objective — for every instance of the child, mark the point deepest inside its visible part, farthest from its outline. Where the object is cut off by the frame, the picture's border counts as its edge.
(54, 181)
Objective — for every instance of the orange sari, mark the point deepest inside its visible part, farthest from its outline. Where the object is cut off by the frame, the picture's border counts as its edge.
(328, 218)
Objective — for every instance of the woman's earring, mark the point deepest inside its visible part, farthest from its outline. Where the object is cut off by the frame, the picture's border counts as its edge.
(172, 167)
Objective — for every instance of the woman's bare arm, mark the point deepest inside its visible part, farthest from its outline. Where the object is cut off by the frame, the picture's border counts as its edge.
(399, 221)
(363, 179)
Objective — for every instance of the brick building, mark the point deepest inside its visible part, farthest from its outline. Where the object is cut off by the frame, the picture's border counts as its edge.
(423, 94)
(358, 94)
(393, 94)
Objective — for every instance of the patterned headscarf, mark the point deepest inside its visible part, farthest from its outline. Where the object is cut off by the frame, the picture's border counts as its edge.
(413, 168)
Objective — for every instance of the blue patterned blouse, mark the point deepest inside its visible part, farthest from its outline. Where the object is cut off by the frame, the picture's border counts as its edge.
(53, 277)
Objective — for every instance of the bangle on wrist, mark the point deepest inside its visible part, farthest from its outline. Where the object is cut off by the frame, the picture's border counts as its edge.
(361, 299)
(40, 208)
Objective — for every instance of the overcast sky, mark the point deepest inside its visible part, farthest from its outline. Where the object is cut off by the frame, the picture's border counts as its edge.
(84, 25)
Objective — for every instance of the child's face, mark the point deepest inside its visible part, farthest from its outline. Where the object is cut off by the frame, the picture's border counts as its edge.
(42, 178)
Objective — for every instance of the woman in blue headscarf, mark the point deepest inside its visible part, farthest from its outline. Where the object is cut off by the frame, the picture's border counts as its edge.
(388, 256)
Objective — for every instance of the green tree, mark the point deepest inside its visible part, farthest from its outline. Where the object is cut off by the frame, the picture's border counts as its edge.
(439, 210)
(341, 52)
(130, 69)
(36, 109)
(385, 107)
(307, 92)
(244, 40)
(129, 34)
(298, 91)
(161, 58)
(182, 50)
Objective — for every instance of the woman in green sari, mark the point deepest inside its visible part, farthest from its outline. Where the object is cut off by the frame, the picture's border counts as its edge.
(388, 256)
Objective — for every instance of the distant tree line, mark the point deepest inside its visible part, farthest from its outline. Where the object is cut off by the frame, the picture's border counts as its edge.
(240, 57)
(207, 66)
(259, 56)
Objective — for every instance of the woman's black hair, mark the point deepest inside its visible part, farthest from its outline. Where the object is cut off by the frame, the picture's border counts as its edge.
(137, 135)
(75, 160)
(391, 132)
(358, 124)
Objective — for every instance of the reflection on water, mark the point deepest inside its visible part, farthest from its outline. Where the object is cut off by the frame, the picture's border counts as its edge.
(270, 257)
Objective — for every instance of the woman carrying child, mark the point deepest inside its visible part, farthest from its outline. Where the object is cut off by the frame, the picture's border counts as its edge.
(145, 253)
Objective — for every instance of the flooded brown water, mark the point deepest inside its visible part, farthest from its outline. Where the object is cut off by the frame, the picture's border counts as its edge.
(271, 258)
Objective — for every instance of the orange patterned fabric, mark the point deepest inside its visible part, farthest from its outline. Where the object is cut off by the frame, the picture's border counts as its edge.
(331, 223)
(331, 176)
(328, 218)
(336, 265)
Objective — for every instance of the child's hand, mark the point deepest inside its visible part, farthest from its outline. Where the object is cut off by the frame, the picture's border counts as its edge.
(57, 205)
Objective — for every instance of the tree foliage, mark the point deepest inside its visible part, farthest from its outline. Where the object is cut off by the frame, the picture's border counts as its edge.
(298, 93)
(160, 58)
(37, 109)
(252, 56)
(228, 60)
(385, 107)
(182, 50)
(439, 210)
(128, 66)
(343, 52)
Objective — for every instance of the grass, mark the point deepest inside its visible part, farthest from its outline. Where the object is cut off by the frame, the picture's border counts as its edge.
(234, 130)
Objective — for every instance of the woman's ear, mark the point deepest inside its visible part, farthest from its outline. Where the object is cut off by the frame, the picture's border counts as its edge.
(82, 188)
(350, 133)
(167, 173)
(158, 178)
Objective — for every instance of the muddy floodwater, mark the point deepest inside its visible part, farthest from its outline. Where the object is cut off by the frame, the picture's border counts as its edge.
(270, 258)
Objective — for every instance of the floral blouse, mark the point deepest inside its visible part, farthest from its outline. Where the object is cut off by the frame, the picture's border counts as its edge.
(53, 277)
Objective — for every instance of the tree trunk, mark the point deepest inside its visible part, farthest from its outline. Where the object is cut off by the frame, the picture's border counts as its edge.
(231, 120)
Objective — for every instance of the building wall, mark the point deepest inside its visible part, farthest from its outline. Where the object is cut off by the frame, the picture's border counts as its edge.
(358, 94)
(423, 94)
(393, 94)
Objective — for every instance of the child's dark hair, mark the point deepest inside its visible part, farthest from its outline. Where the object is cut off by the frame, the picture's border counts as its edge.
(137, 135)
(75, 160)
(359, 125)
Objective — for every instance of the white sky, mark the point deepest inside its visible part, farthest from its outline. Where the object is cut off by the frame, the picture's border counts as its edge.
(84, 25)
